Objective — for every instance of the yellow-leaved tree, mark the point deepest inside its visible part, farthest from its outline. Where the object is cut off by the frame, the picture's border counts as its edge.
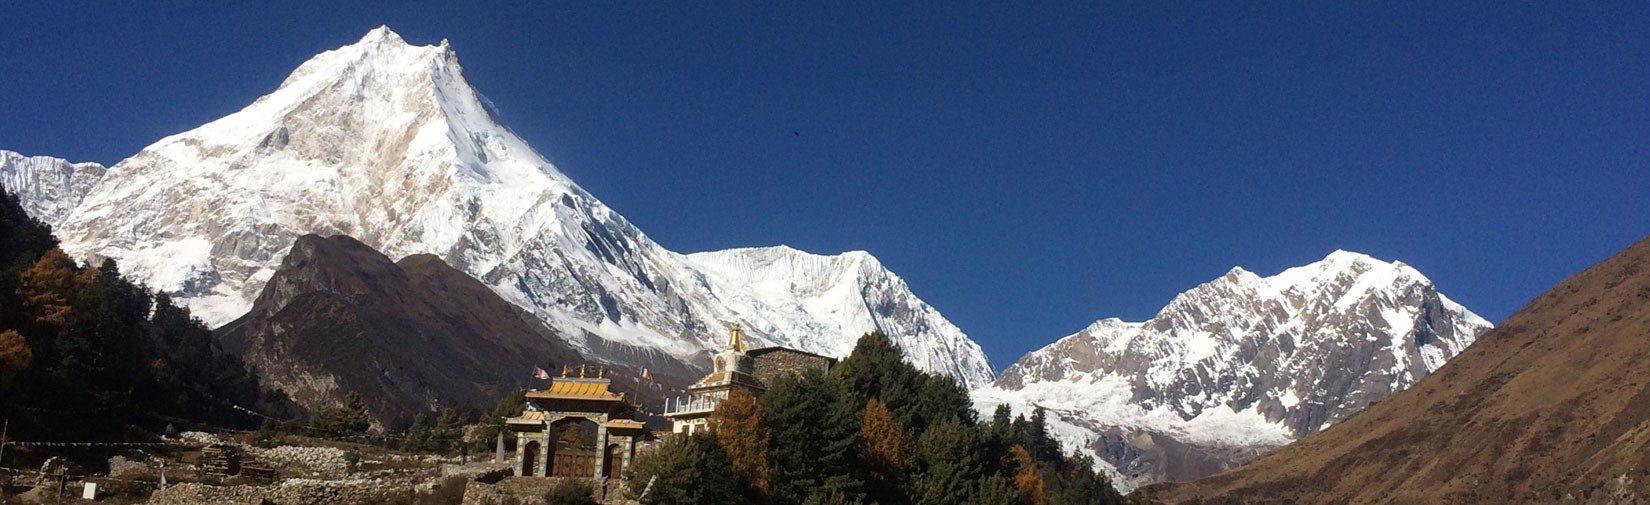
(1026, 478)
(737, 425)
(47, 286)
(881, 449)
(15, 357)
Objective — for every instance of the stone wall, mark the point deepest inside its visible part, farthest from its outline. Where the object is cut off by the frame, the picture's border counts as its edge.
(292, 491)
(771, 363)
(517, 490)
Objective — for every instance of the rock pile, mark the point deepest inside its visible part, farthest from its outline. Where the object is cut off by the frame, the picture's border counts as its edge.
(307, 491)
(317, 461)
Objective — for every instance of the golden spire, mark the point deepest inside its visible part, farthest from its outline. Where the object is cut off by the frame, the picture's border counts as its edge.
(735, 340)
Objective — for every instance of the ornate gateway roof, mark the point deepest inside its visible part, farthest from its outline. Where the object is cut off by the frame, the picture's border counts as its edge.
(568, 388)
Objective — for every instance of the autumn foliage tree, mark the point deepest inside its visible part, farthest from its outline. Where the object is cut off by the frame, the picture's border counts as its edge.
(1026, 478)
(881, 452)
(15, 357)
(737, 424)
(46, 286)
(98, 342)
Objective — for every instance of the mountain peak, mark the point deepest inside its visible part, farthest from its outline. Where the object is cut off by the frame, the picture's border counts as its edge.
(387, 142)
(381, 35)
(379, 55)
(1341, 260)
(1345, 256)
(1237, 362)
(1558, 388)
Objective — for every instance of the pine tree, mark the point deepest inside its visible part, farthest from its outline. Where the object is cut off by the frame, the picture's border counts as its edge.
(444, 436)
(485, 436)
(105, 322)
(324, 422)
(996, 490)
(945, 466)
(823, 496)
(1002, 423)
(1041, 444)
(22, 237)
(998, 436)
(881, 454)
(267, 431)
(686, 470)
(352, 419)
(737, 423)
(941, 397)
(814, 427)
(841, 448)
(877, 369)
(1082, 485)
(418, 436)
(791, 409)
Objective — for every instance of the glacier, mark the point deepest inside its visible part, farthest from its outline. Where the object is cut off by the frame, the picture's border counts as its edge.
(47, 187)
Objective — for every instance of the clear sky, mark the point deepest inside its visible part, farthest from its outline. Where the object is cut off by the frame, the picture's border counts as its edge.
(1028, 169)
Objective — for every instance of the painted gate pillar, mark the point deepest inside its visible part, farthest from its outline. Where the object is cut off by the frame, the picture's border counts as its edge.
(521, 448)
(601, 448)
(629, 448)
(546, 453)
(519, 462)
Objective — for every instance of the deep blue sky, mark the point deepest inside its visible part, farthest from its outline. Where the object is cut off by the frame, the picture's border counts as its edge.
(1026, 169)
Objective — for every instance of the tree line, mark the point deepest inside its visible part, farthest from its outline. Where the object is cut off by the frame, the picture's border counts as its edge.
(874, 429)
(85, 352)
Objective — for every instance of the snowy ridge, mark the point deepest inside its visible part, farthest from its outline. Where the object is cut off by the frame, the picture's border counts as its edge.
(48, 187)
(838, 295)
(388, 143)
(1242, 361)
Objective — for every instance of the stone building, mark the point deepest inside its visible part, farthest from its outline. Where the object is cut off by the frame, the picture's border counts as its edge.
(772, 362)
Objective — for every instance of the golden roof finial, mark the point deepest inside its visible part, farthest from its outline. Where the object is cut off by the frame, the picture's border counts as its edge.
(735, 339)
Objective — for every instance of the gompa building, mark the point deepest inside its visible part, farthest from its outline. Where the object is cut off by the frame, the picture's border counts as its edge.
(733, 369)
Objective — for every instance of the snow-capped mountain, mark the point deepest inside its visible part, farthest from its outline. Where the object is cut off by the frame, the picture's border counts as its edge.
(1239, 365)
(780, 290)
(47, 187)
(386, 142)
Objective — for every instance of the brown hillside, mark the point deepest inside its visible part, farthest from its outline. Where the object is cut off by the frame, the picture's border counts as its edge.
(1553, 406)
(340, 317)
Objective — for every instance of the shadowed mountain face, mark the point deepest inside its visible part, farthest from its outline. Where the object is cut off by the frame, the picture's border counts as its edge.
(407, 336)
(1551, 406)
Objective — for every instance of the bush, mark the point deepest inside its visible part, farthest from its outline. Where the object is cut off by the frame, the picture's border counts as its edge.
(569, 493)
(352, 461)
(450, 491)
